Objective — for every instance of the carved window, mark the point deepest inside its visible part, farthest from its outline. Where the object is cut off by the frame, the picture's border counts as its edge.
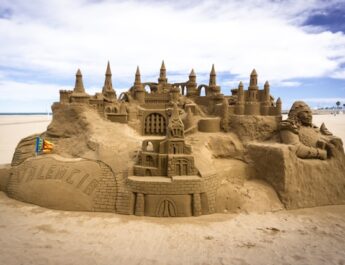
(181, 167)
(149, 161)
(149, 147)
(155, 124)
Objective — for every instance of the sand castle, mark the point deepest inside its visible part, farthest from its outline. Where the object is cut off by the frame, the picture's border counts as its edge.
(178, 149)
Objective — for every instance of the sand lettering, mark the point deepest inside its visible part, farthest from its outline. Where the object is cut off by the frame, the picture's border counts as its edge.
(61, 172)
(91, 187)
(50, 172)
(83, 180)
(69, 178)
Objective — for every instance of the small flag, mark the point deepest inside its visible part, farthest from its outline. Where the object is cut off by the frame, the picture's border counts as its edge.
(43, 146)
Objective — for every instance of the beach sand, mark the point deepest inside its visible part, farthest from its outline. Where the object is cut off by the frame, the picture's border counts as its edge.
(15, 127)
(34, 235)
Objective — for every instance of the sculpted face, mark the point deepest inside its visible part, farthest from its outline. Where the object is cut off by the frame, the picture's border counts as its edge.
(300, 111)
(305, 116)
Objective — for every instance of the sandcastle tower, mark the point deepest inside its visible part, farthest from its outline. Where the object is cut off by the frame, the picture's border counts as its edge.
(265, 103)
(108, 91)
(239, 109)
(278, 107)
(79, 95)
(253, 105)
(213, 88)
(163, 80)
(139, 90)
(191, 84)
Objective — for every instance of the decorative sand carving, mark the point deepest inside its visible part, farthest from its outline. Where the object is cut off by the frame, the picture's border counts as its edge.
(181, 149)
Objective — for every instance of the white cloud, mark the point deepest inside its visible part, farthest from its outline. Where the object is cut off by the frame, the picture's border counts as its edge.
(56, 37)
(22, 91)
(287, 84)
(324, 101)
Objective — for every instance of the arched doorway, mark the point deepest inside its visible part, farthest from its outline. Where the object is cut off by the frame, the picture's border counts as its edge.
(155, 124)
(166, 208)
(202, 93)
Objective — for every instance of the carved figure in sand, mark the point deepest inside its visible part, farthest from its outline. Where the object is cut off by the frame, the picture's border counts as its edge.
(309, 140)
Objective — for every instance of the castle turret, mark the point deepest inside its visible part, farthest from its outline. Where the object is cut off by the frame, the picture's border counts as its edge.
(139, 90)
(240, 93)
(79, 86)
(191, 84)
(265, 99)
(108, 91)
(266, 92)
(253, 86)
(78, 95)
(239, 108)
(175, 93)
(163, 75)
(214, 89)
(279, 107)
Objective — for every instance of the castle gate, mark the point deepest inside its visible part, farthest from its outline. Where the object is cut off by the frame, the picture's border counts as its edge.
(155, 124)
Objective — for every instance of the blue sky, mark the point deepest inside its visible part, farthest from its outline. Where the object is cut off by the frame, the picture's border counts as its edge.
(298, 46)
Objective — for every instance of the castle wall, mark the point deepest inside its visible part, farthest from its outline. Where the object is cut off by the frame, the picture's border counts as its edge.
(188, 195)
(66, 184)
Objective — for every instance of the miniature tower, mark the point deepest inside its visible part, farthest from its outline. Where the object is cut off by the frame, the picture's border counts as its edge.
(240, 100)
(279, 107)
(163, 75)
(138, 88)
(265, 99)
(252, 104)
(253, 86)
(213, 88)
(108, 90)
(191, 84)
(78, 95)
(79, 85)
(175, 92)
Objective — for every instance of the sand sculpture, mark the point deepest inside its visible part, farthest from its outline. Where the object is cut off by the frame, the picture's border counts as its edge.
(178, 149)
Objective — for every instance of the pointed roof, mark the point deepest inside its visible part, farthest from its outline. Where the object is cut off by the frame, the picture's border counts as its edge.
(163, 66)
(253, 72)
(108, 90)
(240, 84)
(162, 75)
(266, 85)
(279, 101)
(108, 72)
(79, 86)
(192, 73)
(137, 77)
(213, 71)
